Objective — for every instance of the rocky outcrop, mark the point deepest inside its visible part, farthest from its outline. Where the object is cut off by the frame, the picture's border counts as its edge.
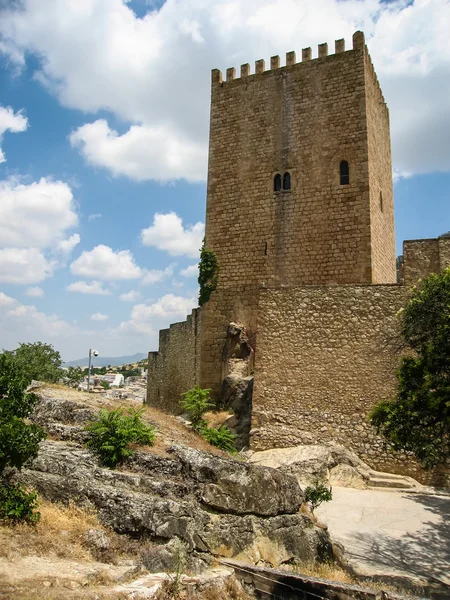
(218, 506)
(330, 463)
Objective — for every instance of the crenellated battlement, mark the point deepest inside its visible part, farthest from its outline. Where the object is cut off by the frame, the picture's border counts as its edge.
(291, 60)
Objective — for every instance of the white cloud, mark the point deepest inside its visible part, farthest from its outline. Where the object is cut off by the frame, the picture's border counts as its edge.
(99, 317)
(131, 296)
(88, 287)
(34, 223)
(24, 265)
(94, 216)
(103, 263)
(191, 271)
(148, 318)
(20, 322)
(167, 233)
(155, 275)
(66, 246)
(31, 323)
(36, 215)
(142, 153)
(153, 72)
(10, 121)
(6, 301)
(35, 292)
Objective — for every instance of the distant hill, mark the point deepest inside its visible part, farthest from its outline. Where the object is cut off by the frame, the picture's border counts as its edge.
(104, 361)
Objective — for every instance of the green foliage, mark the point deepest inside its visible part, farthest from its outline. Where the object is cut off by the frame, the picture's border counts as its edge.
(74, 376)
(316, 494)
(418, 418)
(221, 438)
(196, 402)
(113, 432)
(17, 505)
(208, 274)
(19, 441)
(38, 361)
(105, 385)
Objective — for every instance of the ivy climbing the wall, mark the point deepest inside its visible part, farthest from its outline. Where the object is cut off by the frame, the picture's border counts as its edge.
(208, 274)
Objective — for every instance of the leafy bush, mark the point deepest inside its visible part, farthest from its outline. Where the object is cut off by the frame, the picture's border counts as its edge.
(19, 441)
(208, 274)
(17, 505)
(196, 402)
(38, 361)
(418, 418)
(316, 494)
(113, 432)
(221, 438)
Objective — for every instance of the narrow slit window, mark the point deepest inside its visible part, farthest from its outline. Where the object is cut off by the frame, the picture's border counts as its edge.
(287, 181)
(381, 201)
(277, 183)
(265, 248)
(344, 172)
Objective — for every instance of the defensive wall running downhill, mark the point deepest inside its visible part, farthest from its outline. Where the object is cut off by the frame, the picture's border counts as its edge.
(174, 369)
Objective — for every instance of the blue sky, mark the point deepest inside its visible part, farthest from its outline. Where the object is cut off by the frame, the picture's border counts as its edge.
(103, 124)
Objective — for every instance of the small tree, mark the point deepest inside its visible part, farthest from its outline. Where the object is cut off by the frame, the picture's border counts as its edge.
(316, 494)
(196, 402)
(114, 430)
(19, 441)
(39, 361)
(418, 418)
(74, 376)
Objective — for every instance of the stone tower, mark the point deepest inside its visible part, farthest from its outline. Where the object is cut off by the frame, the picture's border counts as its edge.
(299, 186)
(300, 174)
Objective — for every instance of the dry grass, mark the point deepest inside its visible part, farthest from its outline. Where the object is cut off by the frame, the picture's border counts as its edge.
(170, 429)
(59, 533)
(230, 590)
(216, 419)
(330, 571)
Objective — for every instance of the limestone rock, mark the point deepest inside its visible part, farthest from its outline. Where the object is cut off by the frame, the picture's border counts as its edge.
(330, 463)
(234, 487)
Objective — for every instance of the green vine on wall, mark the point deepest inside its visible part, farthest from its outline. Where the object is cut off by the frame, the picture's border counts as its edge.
(208, 274)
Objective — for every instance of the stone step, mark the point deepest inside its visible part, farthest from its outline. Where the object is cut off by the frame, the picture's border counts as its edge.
(381, 482)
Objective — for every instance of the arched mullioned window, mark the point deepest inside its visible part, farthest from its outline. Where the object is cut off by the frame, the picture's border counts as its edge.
(344, 173)
(277, 183)
(287, 181)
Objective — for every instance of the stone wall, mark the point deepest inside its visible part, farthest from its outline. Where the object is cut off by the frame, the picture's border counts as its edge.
(175, 368)
(225, 306)
(325, 356)
(380, 181)
(422, 257)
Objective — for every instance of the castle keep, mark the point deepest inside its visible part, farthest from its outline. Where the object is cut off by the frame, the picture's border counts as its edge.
(300, 215)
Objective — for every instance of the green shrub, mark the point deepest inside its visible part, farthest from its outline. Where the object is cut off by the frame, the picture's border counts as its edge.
(19, 441)
(17, 505)
(196, 402)
(113, 432)
(208, 273)
(221, 438)
(316, 494)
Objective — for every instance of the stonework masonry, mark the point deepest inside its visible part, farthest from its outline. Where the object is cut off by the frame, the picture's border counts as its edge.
(306, 256)
(422, 257)
(174, 369)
